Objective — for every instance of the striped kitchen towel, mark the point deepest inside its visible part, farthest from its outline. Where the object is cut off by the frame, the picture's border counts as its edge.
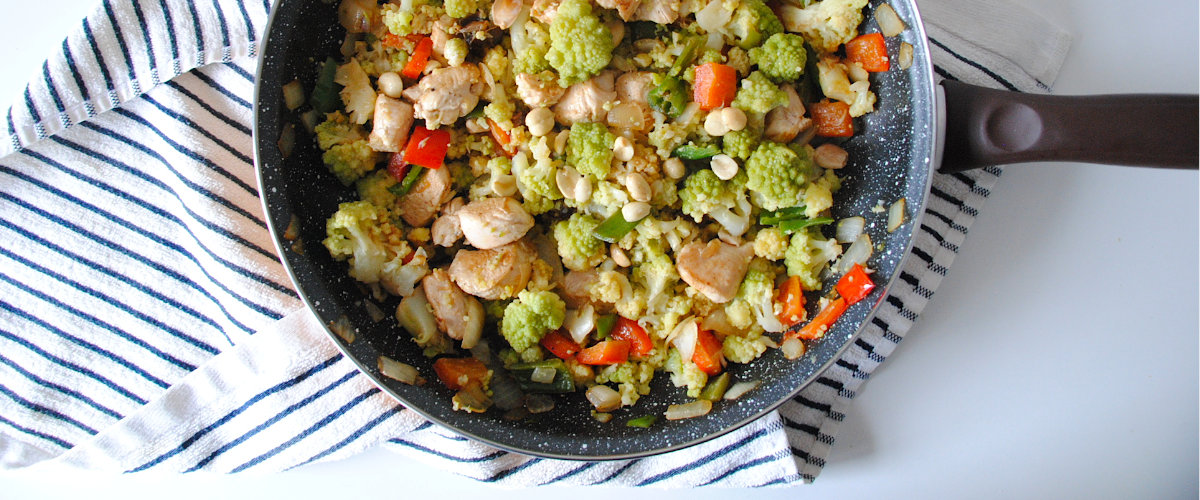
(146, 323)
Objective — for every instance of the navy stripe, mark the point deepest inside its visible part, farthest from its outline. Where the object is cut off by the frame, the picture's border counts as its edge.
(42, 410)
(944, 74)
(778, 480)
(279, 416)
(37, 118)
(334, 415)
(12, 131)
(242, 72)
(46, 79)
(225, 44)
(108, 82)
(353, 435)
(970, 183)
(235, 124)
(250, 31)
(427, 424)
(436, 453)
(571, 473)
(991, 74)
(940, 239)
(746, 465)
(871, 355)
(199, 74)
(962, 205)
(169, 25)
(512, 470)
(822, 407)
(695, 464)
(59, 388)
(198, 28)
(120, 37)
(617, 472)
(79, 84)
(948, 221)
(72, 366)
(187, 122)
(145, 29)
(32, 432)
(238, 411)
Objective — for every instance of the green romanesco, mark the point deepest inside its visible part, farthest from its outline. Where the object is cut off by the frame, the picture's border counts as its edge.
(537, 185)
(770, 243)
(740, 144)
(754, 304)
(350, 162)
(531, 317)
(460, 8)
(781, 57)
(752, 22)
(364, 234)
(807, 255)
(501, 111)
(580, 250)
(654, 276)
(374, 189)
(743, 349)
(532, 59)
(580, 44)
(704, 193)
(777, 175)
(589, 149)
(337, 129)
(825, 24)
(685, 373)
(759, 95)
(633, 379)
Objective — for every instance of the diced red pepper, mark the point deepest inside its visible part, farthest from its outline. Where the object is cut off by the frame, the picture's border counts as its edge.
(791, 297)
(707, 355)
(715, 86)
(417, 60)
(820, 324)
(427, 148)
(458, 373)
(855, 285)
(393, 40)
(606, 352)
(870, 51)
(630, 331)
(832, 118)
(503, 140)
(560, 345)
(397, 167)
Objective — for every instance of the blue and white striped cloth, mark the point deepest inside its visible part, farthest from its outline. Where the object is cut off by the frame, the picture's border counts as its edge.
(146, 323)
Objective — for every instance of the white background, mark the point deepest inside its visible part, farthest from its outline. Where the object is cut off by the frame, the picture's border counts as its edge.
(1057, 360)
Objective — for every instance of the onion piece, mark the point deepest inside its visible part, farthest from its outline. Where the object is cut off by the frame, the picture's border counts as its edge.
(603, 418)
(293, 95)
(697, 408)
(858, 253)
(896, 214)
(889, 23)
(850, 228)
(684, 337)
(792, 348)
(402, 372)
(739, 389)
(604, 398)
(287, 140)
(539, 403)
(714, 16)
(343, 329)
(905, 57)
(543, 375)
(580, 322)
(374, 311)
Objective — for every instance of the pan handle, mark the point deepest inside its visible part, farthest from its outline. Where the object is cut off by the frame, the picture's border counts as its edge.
(993, 127)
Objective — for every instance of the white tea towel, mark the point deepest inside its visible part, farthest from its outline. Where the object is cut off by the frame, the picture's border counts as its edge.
(146, 323)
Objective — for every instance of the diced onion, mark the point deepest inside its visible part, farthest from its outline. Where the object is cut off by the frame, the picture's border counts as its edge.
(539, 403)
(697, 408)
(713, 17)
(792, 348)
(293, 95)
(889, 23)
(604, 398)
(399, 371)
(850, 228)
(374, 311)
(858, 253)
(684, 337)
(896, 214)
(580, 322)
(543, 375)
(741, 388)
(293, 229)
(287, 140)
(603, 418)
(343, 329)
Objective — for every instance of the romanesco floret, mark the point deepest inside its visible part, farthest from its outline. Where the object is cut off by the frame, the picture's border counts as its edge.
(704, 193)
(579, 249)
(349, 162)
(633, 379)
(373, 189)
(532, 58)
(754, 304)
(781, 57)
(460, 8)
(759, 95)
(501, 111)
(825, 24)
(589, 149)
(580, 44)
(537, 185)
(777, 175)
(753, 22)
(398, 20)
(363, 233)
(337, 129)
(740, 144)
(685, 373)
(808, 254)
(743, 349)
(770, 243)
(531, 317)
(654, 275)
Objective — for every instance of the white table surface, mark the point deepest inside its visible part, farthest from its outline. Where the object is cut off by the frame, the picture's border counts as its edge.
(1057, 360)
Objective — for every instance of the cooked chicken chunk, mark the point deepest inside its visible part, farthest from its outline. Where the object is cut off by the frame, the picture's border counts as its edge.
(626, 8)
(585, 101)
(447, 94)
(715, 268)
(657, 11)
(445, 230)
(538, 92)
(426, 197)
(492, 222)
(498, 273)
(635, 86)
(786, 122)
(458, 314)
(393, 120)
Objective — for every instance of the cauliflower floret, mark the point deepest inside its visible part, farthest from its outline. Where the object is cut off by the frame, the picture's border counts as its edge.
(580, 44)
(654, 276)
(580, 250)
(777, 175)
(351, 161)
(770, 243)
(363, 233)
(825, 24)
(740, 144)
(726, 202)
(754, 304)
(337, 129)
(633, 379)
(781, 57)
(532, 58)
(531, 317)
(743, 349)
(759, 95)
(401, 278)
(818, 194)
(685, 373)
(835, 84)
(753, 22)
(358, 95)
(537, 184)
(807, 256)
(589, 149)
(460, 8)
(612, 287)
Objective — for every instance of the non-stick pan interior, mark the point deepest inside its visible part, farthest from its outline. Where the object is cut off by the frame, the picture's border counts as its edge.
(889, 159)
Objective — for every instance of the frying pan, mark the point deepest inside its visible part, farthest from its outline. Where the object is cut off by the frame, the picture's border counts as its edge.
(893, 156)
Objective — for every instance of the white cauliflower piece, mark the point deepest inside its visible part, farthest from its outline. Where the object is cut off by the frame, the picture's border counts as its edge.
(825, 24)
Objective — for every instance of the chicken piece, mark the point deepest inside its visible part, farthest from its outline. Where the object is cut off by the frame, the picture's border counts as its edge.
(585, 101)
(497, 273)
(426, 197)
(447, 94)
(538, 92)
(393, 120)
(635, 86)
(458, 314)
(446, 230)
(441, 34)
(626, 8)
(786, 122)
(657, 11)
(715, 268)
(493, 222)
(544, 10)
(576, 288)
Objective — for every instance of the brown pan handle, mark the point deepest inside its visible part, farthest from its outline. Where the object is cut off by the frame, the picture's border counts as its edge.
(992, 127)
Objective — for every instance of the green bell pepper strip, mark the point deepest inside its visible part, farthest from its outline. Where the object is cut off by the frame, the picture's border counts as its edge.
(694, 152)
(643, 421)
(325, 98)
(715, 389)
(614, 227)
(563, 381)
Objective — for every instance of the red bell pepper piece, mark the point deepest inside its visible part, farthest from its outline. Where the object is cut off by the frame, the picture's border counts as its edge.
(820, 324)
(459, 373)
(791, 297)
(560, 345)
(870, 51)
(855, 285)
(397, 167)
(417, 60)
(715, 86)
(606, 352)
(427, 148)
(630, 331)
(832, 118)
(707, 355)
(503, 140)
